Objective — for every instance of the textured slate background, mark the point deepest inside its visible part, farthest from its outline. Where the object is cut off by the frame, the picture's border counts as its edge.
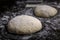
(51, 26)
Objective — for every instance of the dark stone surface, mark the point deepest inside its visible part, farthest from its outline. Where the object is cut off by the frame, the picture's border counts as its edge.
(50, 31)
(4, 4)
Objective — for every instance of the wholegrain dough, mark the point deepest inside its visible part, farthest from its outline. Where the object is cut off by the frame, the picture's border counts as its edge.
(45, 11)
(24, 24)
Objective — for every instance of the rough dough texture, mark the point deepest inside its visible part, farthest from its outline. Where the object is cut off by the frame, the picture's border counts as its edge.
(45, 11)
(24, 24)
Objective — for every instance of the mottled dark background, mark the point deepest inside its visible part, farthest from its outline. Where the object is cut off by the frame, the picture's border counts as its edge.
(51, 26)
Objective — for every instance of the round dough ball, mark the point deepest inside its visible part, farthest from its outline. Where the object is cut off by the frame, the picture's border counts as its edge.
(45, 11)
(24, 24)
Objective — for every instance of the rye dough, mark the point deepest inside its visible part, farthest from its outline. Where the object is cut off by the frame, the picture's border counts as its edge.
(24, 24)
(45, 11)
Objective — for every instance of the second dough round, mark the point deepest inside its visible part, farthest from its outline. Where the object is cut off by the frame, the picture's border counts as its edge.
(45, 11)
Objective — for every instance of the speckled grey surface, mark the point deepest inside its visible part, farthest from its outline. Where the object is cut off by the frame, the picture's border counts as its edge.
(50, 31)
